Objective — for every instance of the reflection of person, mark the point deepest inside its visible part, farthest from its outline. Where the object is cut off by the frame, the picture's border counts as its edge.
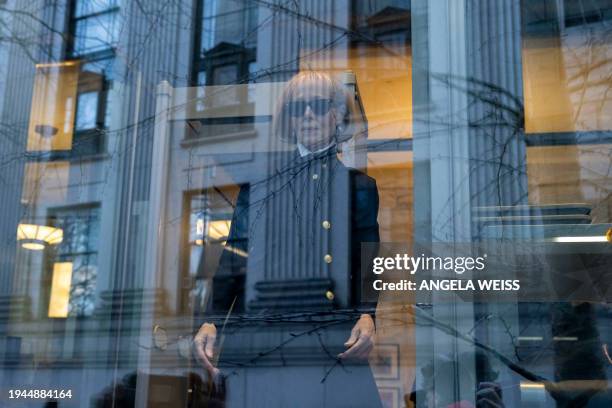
(448, 377)
(307, 196)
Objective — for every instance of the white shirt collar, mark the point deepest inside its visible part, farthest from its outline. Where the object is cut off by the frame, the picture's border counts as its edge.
(304, 151)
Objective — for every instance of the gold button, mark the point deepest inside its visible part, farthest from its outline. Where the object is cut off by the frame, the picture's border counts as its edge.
(329, 295)
(609, 235)
(315, 176)
(327, 258)
(326, 224)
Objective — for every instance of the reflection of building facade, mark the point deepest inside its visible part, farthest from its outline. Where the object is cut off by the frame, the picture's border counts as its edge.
(121, 118)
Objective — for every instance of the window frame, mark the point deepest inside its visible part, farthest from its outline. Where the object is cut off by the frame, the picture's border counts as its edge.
(200, 63)
(86, 58)
(51, 255)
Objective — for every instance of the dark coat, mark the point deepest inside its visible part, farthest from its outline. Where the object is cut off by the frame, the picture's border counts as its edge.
(295, 246)
(302, 226)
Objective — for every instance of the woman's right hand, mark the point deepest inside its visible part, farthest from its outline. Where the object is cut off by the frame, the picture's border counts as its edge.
(204, 343)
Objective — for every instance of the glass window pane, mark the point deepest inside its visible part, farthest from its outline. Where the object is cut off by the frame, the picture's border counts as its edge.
(87, 111)
(96, 33)
(85, 7)
(231, 21)
(104, 67)
(426, 184)
(77, 256)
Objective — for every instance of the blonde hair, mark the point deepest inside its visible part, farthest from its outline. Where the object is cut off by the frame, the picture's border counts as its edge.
(342, 102)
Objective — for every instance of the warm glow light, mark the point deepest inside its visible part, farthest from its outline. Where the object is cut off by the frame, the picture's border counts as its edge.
(596, 238)
(35, 237)
(54, 95)
(215, 231)
(33, 246)
(57, 64)
(219, 229)
(60, 289)
(532, 385)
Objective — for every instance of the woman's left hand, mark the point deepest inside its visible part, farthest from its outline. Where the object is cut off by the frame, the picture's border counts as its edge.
(361, 341)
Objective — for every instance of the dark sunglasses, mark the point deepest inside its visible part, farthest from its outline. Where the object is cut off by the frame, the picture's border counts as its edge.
(319, 107)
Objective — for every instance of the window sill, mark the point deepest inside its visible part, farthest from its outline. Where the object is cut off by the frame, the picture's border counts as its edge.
(204, 140)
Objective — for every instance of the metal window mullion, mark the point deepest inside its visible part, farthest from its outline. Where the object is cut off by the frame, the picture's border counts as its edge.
(96, 14)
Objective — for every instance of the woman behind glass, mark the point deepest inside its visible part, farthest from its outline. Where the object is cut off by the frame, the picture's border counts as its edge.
(317, 212)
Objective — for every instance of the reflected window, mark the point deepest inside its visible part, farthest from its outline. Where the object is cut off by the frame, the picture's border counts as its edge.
(208, 236)
(566, 65)
(52, 109)
(95, 26)
(74, 262)
(579, 12)
(94, 35)
(225, 42)
(87, 111)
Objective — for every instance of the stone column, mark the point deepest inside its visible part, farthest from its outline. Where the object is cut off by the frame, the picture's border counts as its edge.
(469, 148)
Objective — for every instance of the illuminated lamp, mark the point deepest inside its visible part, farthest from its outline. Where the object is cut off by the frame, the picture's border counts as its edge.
(37, 237)
(219, 229)
(207, 230)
